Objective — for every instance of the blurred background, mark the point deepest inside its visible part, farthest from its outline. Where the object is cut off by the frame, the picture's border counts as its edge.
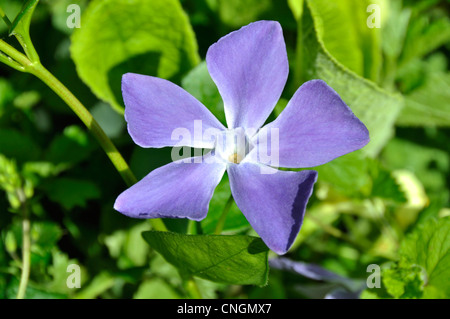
(389, 60)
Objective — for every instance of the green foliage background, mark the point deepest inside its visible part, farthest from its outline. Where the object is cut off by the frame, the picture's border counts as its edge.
(387, 204)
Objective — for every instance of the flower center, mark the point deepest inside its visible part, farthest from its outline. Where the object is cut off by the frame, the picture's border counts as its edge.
(233, 145)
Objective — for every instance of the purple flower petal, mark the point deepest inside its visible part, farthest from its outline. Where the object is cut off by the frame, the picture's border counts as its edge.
(250, 69)
(154, 108)
(315, 127)
(274, 204)
(176, 190)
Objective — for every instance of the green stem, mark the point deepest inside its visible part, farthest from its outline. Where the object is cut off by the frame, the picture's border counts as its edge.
(192, 289)
(221, 222)
(299, 77)
(26, 247)
(37, 69)
(5, 18)
(86, 117)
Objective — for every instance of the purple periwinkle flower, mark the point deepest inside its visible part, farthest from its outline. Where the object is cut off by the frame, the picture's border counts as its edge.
(250, 68)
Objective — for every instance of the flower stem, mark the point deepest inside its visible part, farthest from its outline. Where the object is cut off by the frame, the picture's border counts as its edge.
(38, 70)
(26, 247)
(221, 222)
(86, 117)
(192, 289)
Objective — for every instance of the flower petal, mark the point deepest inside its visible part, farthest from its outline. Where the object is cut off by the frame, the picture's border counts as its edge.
(177, 190)
(315, 127)
(155, 108)
(250, 69)
(273, 201)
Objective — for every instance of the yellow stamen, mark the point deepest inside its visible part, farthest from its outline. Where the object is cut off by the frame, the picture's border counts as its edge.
(234, 158)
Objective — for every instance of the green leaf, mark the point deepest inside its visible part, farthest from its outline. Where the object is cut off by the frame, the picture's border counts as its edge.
(360, 177)
(120, 36)
(347, 174)
(376, 108)
(360, 49)
(237, 13)
(403, 282)
(236, 259)
(199, 83)
(71, 192)
(429, 104)
(429, 247)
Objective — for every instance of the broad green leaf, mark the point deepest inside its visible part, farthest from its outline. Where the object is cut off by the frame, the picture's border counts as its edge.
(237, 13)
(71, 192)
(429, 105)
(342, 28)
(236, 259)
(429, 247)
(376, 108)
(120, 36)
(199, 83)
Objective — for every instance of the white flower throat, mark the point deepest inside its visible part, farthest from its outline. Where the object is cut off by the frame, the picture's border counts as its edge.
(232, 145)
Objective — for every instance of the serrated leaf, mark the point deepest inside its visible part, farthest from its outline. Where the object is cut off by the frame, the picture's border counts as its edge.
(360, 49)
(240, 260)
(403, 282)
(429, 247)
(120, 36)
